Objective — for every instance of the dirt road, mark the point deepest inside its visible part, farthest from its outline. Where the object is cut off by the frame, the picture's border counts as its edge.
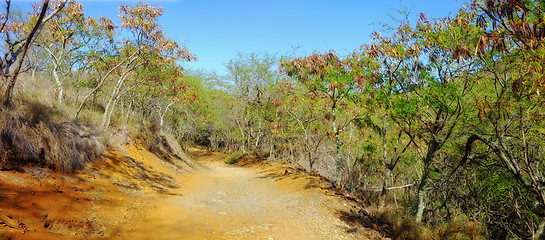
(229, 202)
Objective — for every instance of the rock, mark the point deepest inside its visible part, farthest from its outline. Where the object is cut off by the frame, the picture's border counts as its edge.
(8, 221)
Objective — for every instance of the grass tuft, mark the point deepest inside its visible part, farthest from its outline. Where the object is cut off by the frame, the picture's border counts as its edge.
(234, 158)
(34, 134)
(407, 228)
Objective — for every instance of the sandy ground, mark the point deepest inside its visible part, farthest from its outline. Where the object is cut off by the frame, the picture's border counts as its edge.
(135, 195)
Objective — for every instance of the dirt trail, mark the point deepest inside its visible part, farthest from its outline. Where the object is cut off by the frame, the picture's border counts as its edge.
(230, 202)
(133, 194)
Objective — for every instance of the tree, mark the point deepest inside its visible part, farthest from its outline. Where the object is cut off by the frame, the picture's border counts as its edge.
(425, 99)
(300, 113)
(382, 69)
(253, 76)
(326, 76)
(69, 37)
(441, 89)
(510, 109)
(147, 57)
(16, 49)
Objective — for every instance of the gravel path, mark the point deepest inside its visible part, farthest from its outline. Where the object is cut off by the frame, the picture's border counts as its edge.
(230, 202)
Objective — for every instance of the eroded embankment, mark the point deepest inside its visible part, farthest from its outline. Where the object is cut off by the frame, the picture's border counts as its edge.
(96, 203)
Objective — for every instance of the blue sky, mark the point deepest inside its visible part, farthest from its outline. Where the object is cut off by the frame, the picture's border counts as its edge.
(216, 30)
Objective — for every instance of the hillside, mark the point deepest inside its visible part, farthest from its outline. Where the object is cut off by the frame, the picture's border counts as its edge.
(97, 202)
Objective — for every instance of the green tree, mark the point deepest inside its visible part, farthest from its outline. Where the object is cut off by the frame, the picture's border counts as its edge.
(510, 109)
(329, 77)
(15, 50)
(253, 77)
(424, 98)
(300, 113)
(382, 69)
(147, 58)
(67, 39)
(438, 104)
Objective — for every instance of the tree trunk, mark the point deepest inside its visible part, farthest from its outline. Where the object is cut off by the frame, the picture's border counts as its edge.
(385, 162)
(12, 77)
(129, 109)
(271, 151)
(539, 231)
(432, 149)
(291, 153)
(310, 162)
(258, 138)
(109, 107)
(110, 114)
(349, 167)
(421, 195)
(243, 136)
(34, 74)
(337, 147)
(163, 116)
(59, 85)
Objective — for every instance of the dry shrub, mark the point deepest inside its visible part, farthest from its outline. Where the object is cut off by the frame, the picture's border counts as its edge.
(146, 134)
(29, 135)
(396, 224)
(456, 229)
(406, 228)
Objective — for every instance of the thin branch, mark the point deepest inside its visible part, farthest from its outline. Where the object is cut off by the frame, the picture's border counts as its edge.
(33, 33)
(378, 189)
(8, 3)
(103, 80)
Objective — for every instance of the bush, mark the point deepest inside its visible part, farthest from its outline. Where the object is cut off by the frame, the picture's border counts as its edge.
(406, 228)
(34, 134)
(233, 158)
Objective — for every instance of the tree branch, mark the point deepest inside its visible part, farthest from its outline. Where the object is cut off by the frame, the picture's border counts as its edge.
(8, 3)
(103, 80)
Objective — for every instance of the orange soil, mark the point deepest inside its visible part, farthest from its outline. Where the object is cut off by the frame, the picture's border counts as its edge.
(134, 195)
(91, 204)
(263, 201)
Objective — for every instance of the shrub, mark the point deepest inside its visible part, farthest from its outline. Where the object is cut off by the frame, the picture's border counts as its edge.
(452, 229)
(33, 134)
(233, 158)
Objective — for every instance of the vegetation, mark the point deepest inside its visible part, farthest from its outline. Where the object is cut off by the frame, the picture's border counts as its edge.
(58, 51)
(438, 122)
(233, 158)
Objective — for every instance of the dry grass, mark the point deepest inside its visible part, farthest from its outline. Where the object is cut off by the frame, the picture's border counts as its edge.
(34, 134)
(398, 225)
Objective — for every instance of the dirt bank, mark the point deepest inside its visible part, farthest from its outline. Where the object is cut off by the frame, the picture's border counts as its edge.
(96, 203)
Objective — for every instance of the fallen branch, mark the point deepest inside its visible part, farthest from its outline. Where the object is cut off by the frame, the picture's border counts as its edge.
(378, 189)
